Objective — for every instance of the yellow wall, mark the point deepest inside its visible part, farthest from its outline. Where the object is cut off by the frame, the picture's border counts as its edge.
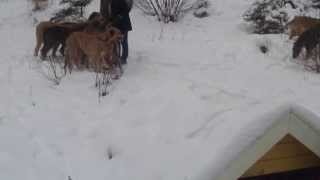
(288, 154)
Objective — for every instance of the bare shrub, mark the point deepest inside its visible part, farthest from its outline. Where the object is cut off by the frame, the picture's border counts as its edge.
(165, 10)
(103, 81)
(55, 71)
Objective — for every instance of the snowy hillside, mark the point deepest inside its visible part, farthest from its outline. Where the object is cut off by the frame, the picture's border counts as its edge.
(187, 90)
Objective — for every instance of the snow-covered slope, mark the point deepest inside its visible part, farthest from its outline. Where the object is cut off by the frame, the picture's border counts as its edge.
(187, 91)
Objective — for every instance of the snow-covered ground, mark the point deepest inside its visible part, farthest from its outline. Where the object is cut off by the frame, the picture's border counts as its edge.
(188, 90)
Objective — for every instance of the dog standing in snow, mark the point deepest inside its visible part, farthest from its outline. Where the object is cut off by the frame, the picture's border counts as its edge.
(97, 47)
(55, 36)
(300, 24)
(40, 29)
(309, 39)
(95, 23)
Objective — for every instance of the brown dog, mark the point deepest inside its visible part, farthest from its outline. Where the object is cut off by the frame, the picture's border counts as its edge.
(41, 28)
(98, 48)
(299, 24)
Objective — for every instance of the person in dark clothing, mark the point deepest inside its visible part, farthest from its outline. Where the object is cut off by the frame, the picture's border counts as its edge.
(120, 16)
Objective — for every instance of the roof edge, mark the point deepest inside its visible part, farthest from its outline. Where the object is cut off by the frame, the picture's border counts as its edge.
(291, 119)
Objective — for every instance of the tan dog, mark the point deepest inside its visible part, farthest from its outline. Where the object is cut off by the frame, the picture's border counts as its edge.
(299, 24)
(98, 48)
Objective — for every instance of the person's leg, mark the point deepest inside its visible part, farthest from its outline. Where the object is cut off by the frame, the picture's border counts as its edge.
(125, 48)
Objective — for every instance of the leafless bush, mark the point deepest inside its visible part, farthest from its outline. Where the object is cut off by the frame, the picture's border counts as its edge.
(165, 10)
(103, 81)
(55, 71)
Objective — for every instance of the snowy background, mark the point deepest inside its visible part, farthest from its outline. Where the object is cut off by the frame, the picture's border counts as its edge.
(189, 95)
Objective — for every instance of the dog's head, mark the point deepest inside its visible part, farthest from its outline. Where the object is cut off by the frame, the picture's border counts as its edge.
(95, 16)
(111, 34)
(115, 33)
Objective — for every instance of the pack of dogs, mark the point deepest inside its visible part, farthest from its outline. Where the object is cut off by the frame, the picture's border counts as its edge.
(92, 44)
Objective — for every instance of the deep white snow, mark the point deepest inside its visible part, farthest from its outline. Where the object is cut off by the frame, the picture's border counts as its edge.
(193, 93)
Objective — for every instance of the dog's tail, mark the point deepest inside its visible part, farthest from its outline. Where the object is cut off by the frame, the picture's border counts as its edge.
(297, 46)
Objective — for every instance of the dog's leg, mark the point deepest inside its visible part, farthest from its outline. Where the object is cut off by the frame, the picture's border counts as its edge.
(97, 79)
(36, 49)
(62, 49)
(39, 40)
(67, 66)
(49, 43)
(44, 51)
(70, 67)
(106, 82)
(79, 60)
(66, 61)
(54, 50)
(84, 61)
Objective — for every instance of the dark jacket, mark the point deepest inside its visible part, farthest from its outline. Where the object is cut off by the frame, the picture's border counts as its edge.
(120, 15)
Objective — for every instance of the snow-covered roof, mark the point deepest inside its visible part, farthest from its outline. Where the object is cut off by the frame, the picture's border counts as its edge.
(194, 95)
(288, 119)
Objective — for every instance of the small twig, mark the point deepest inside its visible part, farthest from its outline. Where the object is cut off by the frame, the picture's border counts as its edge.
(103, 81)
(52, 74)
